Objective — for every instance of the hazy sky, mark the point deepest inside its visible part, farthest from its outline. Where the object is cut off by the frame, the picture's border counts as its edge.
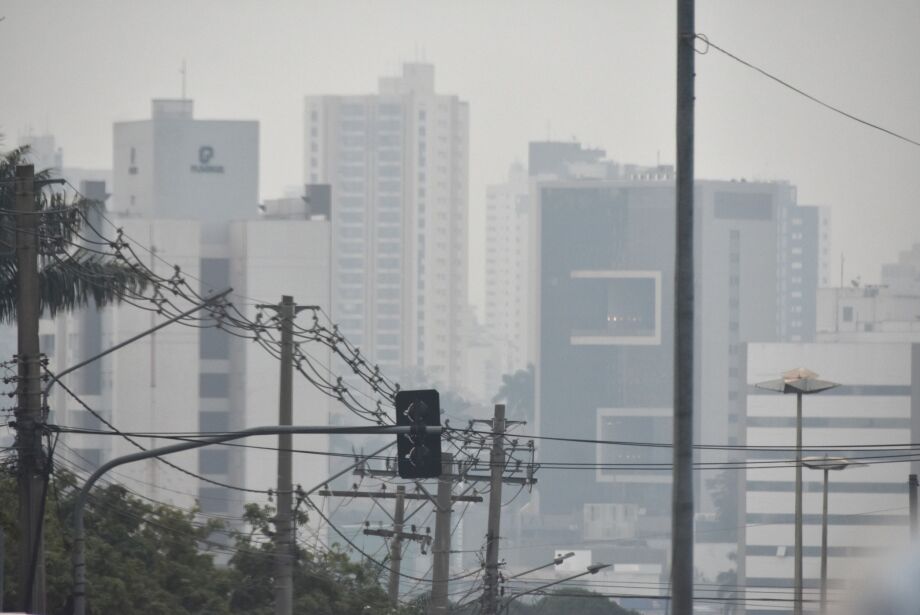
(600, 71)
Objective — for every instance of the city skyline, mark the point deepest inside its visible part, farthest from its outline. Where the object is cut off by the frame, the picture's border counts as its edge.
(747, 126)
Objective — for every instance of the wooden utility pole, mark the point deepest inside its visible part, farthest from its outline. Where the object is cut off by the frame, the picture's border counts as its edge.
(284, 527)
(29, 420)
(440, 570)
(497, 463)
(682, 498)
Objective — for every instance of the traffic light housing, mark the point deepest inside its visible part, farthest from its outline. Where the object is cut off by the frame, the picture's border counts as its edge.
(418, 456)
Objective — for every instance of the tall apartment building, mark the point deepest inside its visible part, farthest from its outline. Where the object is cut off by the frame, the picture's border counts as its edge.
(507, 272)
(397, 161)
(187, 189)
(603, 269)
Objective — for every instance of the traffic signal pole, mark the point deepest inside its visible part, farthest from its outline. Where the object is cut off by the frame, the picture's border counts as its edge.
(79, 530)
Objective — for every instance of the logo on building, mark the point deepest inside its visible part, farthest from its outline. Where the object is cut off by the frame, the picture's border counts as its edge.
(132, 168)
(205, 155)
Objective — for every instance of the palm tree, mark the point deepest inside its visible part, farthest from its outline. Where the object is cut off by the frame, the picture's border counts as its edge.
(517, 391)
(71, 274)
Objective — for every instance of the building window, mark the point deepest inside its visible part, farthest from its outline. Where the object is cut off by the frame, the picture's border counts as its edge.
(213, 385)
(214, 422)
(213, 461)
(848, 313)
(214, 499)
(618, 307)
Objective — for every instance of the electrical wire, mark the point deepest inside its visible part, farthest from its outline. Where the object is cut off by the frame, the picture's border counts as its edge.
(709, 44)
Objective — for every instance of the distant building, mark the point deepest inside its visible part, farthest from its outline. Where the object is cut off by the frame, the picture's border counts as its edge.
(398, 164)
(903, 277)
(876, 404)
(187, 189)
(507, 276)
(603, 268)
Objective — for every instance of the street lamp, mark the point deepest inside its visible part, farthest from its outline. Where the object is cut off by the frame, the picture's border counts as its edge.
(801, 382)
(592, 569)
(556, 562)
(827, 464)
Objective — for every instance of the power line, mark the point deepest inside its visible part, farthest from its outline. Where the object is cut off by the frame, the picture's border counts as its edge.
(810, 97)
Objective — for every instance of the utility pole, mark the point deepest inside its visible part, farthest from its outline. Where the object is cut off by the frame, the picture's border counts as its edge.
(32, 461)
(682, 487)
(397, 534)
(497, 463)
(399, 513)
(914, 512)
(284, 528)
(440, 552)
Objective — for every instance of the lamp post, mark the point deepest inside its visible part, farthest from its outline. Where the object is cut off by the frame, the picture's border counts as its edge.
(801, 382)
(592, 569)
(827, 464)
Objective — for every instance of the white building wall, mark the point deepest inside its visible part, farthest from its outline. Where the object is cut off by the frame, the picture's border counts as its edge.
(867, 505)
(398, 165)
(507, 272)
(271, 258)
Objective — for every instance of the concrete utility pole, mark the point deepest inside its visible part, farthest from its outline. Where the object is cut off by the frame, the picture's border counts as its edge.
(497, 463)
(440, 570)
(399, 518)
(32, 460)
(399, 513)
(284, 527)
(682, 487)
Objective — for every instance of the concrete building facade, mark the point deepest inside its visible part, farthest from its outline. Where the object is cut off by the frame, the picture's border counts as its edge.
(603, 265)
(397, 161)
(186, 193)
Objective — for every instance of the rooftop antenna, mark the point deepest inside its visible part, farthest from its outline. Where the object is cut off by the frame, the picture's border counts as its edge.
(183, 72)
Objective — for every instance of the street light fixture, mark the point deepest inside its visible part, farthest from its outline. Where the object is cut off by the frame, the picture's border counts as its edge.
(592, 569)
(827, 464)
(801, 382)
(556, 562)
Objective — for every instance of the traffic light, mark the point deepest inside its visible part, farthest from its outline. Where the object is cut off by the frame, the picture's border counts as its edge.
(418, 456)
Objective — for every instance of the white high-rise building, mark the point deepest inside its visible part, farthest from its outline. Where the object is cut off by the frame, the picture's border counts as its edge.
(187, 190)
(397, 161)
(507, 261)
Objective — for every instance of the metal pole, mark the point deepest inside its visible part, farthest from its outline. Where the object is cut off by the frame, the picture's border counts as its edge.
(284, 528)
(682, 487)
(914, 513)
(440, 551)
(79, 531)
(2, 560)
(399, 512)
(497, 461)
(28, 408)
(824, 547)
(797, 596)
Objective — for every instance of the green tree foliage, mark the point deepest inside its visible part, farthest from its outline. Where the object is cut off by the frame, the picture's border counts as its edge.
(325, 583)
(517, 391)
(575, 600)
(152, 559)
(563, 601)
(69, 275)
